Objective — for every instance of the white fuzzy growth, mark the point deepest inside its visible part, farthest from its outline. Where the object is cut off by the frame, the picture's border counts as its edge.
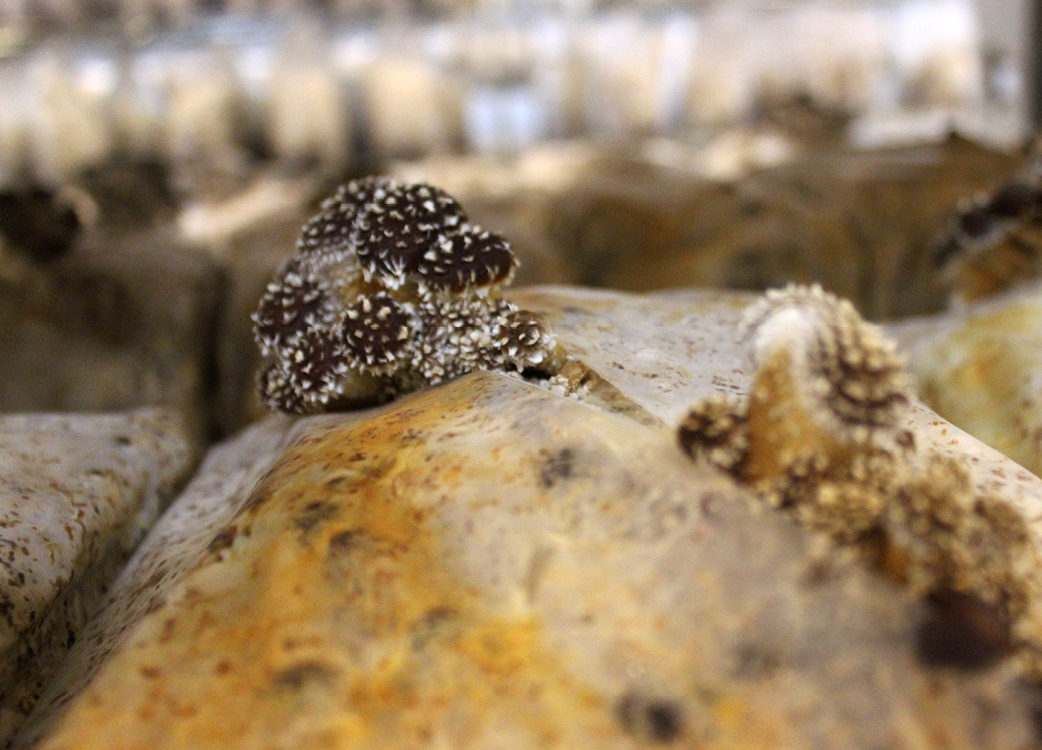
(848, 375)
(789, 328)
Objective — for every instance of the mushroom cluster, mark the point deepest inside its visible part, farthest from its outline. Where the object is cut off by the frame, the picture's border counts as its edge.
(391, 289)
(824, 435)
(994, 240)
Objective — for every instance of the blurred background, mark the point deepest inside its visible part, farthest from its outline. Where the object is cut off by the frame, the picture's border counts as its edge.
(337, 83)
(157, 157)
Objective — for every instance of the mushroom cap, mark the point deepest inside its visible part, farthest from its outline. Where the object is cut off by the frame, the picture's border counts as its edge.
(310, 377)
(524, 339)
(850, 374)
(984, 223)
(295, 302)
(715, 428)
(400, 224)
(376, 332)
(277, 391)
(471, 258)
(330, 232)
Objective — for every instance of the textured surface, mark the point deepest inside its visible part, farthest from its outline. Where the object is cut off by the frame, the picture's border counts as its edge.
(487, 564)
(172, 547)
(980, 367)
(76, 493)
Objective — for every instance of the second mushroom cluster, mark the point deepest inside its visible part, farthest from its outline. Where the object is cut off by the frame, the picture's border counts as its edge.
(391, 289)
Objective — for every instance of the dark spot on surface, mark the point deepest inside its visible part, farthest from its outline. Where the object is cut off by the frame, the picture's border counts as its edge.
(656, 719)
(753, 661)
(976, 222)
(304, 673)
(122, 440)
(905, 439)
(817, 573)
(557, 467)
(344, 542)
(411, 435)
(314, 515)
(535, 373)
(712, 505)
(223, 540)
(428, 627)
(961, 630)
(150, 672)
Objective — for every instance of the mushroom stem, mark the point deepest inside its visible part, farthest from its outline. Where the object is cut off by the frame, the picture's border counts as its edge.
(782, 429)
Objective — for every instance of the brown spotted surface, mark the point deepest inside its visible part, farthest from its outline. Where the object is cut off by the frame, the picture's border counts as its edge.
(77, 492)
(488, 565)
(491, 564)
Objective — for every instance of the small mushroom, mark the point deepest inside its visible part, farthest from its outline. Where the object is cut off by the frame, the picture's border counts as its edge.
(826, 381)
(331, 231)
(994, 241)
(821, 435)
(376, 332)
(715, 429)
(828, 389)
(391, 289)
(297, 302)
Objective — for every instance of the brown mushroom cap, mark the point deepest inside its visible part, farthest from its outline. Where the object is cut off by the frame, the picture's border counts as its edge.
(317, 366)
(400, 225)
(277, 390)
(524, 340)
(291, 305)
(376, 332)
(984, 223)
(471, 258)
(331, 231)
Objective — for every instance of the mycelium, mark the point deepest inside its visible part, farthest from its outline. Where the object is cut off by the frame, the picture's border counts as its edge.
(994, 240)
(391, 289)
(823, 434)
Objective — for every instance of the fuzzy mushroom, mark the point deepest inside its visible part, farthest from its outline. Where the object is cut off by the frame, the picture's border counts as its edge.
(297, 302)
(827, 381)
(822, 435)
(376, 331)
(828, 387)
(994, 240)
(391, 289)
